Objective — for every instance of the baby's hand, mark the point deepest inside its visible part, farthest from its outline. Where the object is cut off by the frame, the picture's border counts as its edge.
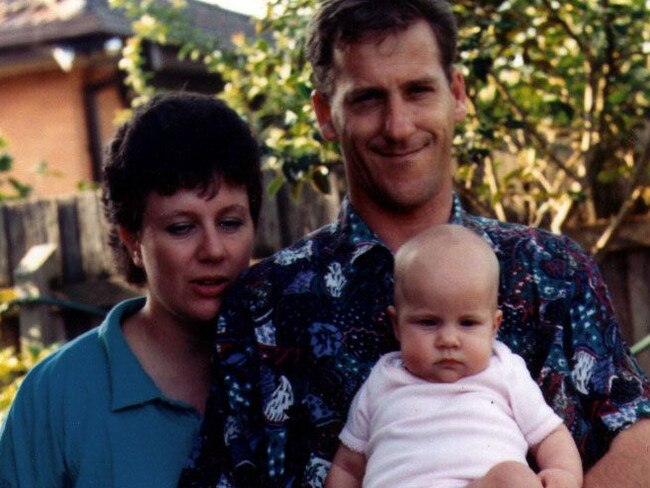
(558, 478)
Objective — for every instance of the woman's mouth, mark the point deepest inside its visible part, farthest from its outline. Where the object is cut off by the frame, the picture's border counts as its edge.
(209, 287)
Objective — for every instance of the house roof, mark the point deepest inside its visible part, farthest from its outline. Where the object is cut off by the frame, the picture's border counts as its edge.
(29, 22)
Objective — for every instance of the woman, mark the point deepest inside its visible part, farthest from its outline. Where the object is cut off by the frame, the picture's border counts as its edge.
(122, 404)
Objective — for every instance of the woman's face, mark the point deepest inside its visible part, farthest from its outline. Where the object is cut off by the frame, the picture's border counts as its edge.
(192, 247)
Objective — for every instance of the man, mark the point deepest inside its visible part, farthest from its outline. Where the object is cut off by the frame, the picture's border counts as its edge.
(302, 329)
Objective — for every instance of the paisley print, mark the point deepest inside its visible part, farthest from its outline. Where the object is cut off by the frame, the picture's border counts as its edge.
(302, 329)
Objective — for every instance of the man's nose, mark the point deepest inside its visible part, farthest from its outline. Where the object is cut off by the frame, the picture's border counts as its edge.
(399, 123)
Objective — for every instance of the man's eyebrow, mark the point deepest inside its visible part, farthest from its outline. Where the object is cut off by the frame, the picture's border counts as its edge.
(424, 80)
(364, 92)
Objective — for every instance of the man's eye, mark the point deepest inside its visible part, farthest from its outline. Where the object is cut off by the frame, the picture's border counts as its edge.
(420, 89)
(365, 98)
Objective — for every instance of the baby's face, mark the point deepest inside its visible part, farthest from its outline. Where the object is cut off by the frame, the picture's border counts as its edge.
(446, 323)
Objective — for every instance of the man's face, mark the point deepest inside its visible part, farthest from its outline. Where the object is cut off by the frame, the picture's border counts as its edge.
(393, 111)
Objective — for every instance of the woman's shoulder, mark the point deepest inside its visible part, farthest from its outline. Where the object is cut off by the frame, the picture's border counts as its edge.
(71, 362)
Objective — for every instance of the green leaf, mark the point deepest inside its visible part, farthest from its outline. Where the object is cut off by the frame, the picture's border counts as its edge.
(275, 185)
(6, 161)
(22, 189)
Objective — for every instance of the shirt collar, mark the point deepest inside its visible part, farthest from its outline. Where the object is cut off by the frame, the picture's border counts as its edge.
(130, 384)
(460, 216)
(354, 233)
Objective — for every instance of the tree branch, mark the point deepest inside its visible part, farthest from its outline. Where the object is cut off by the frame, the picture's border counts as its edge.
(533, 134)
(638, 184)
(570, 32)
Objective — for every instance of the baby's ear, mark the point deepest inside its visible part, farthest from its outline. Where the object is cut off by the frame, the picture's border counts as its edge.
(392, 315)
(498, 318)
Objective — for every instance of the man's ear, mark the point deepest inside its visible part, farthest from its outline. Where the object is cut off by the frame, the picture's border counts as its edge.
(392, 315)
(132, 244)
(460, 96)
(323, 115)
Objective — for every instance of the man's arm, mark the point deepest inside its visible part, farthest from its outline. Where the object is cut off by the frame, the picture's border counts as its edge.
(627, 463)
(347, 470)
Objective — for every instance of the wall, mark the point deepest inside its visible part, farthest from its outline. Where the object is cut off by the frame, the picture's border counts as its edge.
(42, 116)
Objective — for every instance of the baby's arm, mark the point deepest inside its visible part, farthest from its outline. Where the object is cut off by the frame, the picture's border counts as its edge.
(559, 461)
(347, 469)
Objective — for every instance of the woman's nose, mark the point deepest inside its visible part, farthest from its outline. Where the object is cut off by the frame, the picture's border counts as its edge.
(212, 245)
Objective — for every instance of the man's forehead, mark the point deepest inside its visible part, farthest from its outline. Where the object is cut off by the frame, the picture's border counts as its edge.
(384, 40)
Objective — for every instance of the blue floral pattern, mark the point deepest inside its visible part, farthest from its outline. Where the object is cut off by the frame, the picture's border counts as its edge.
(303, 329)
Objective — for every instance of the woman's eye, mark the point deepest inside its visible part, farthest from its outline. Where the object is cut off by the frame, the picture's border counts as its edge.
(179, 229)
(231, 225)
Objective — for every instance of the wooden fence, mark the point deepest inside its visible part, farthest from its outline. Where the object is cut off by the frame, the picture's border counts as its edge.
(82, 264)
(85, 274)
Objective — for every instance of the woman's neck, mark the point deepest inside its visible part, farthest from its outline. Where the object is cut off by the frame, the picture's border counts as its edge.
(176, 355)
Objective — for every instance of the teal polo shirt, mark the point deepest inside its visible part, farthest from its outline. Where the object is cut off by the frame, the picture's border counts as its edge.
(89, 416)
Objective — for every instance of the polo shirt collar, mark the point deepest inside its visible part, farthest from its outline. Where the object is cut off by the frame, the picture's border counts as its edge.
(130, 384)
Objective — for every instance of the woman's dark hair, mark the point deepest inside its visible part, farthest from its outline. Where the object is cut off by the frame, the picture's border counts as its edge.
(176, 141)
(344, 22)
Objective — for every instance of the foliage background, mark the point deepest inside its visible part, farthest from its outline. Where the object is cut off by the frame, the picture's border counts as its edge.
(557, 134)
(13, 367)
(9, 187)
(559, 101)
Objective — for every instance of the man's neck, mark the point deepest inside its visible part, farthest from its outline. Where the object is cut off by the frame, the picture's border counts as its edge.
(396, 227)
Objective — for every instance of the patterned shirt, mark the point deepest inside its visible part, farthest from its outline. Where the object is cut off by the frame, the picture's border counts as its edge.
(302, 329)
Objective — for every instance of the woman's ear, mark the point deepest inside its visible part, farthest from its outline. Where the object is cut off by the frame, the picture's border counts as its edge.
(132, 244)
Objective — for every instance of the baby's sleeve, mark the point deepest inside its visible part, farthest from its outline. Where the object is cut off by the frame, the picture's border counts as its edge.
(356, 432)
(533, 415)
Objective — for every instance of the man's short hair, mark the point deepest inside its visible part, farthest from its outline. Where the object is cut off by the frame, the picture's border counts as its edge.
(344, 22)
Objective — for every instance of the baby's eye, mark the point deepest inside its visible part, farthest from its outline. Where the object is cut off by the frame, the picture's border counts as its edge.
(469, 322)
(429, 322)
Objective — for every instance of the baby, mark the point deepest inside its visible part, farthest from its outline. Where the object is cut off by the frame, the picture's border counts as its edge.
(454, 407)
